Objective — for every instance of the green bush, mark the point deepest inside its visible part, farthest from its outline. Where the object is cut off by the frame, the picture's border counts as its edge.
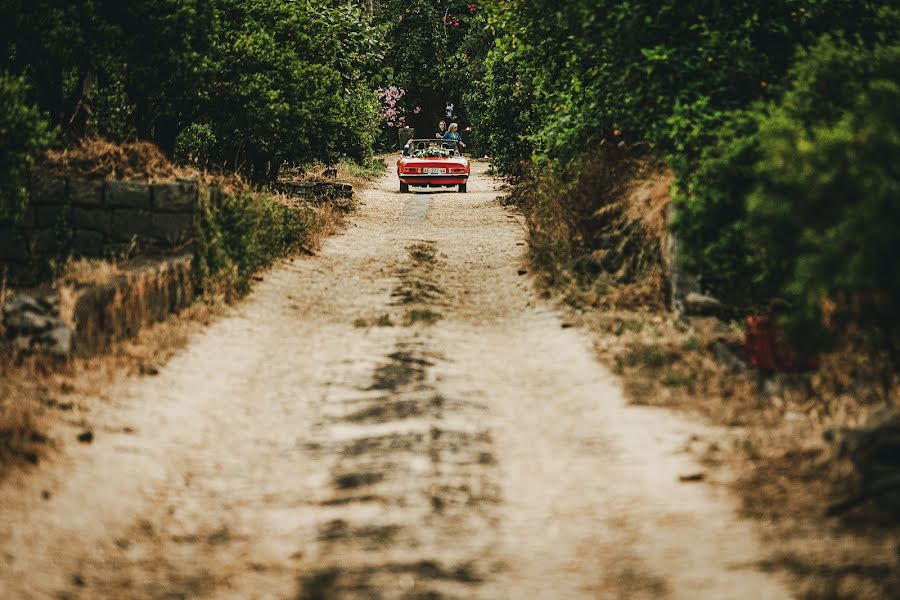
(23, 134)
(825, 211)
(566, 75)
(195, 144)
(711, 215)
(248, 232)
(761, 208)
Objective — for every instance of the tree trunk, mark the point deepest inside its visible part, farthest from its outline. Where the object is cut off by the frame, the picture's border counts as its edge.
(81, 123)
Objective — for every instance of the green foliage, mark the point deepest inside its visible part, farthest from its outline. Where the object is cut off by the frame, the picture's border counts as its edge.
(566, 75)
(23, 133)
(246, 233)
(779, 119)
(272, 81)
(825, 209)
(711, 212)
(195, 144)
(288, 85)
(763, 208)
(428, 55)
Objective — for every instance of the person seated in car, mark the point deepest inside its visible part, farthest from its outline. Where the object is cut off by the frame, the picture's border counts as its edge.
(453, 134)
(442, 129)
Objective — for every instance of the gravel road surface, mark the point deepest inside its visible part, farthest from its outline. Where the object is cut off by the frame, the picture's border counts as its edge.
(400, 416)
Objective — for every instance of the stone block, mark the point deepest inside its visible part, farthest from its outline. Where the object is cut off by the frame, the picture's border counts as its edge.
(86, 192)
(700, 304)
(117, 309)
(88, 243)
(95, 219)
(13, 247)
(172, 228)
(47, 191)
(128, 194)
(176, 197)
(46, 241)
(51, 216)
(28, 218)
(128, 223)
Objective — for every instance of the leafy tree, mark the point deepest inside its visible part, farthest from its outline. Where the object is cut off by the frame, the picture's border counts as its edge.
(269, 81)
(649, 72)
(23, 133)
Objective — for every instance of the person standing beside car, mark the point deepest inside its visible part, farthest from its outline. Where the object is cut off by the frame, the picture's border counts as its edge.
(453, 134)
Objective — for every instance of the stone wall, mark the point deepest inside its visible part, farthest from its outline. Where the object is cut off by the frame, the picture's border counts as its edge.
(95, 218)
(84, 319)
(100, 219)
(119, 219)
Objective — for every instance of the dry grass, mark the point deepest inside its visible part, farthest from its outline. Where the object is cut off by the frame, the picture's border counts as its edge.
(359, 176)
(100, 158)
(21, 435)
(771, 447)
(88, 270)
(328, 221)
(40, 400)
(596, 229)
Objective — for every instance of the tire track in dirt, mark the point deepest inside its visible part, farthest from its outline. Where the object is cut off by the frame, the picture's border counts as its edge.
(413, 480)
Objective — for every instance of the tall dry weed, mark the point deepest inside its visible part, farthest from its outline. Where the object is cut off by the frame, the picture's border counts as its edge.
(588, 232)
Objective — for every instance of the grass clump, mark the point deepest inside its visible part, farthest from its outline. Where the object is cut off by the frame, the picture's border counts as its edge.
(248, 232)
(591, 234)
(424, 316)
(380, 321)
(21, 433)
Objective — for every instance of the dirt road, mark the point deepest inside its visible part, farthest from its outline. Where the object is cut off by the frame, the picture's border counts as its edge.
(397, 417)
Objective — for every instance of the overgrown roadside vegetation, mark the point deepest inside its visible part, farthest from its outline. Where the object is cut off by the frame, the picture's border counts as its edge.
(44, 402)
(765, 139)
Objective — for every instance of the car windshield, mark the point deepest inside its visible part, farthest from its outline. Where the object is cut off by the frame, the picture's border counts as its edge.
(433, 148)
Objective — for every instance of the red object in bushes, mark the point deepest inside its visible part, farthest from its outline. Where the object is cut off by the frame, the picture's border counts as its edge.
(767, 353)
(760, 343)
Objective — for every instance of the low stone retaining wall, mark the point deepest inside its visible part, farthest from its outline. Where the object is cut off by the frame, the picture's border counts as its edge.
(111, 219)
(103, 219)
(84, 319)
(95, 218)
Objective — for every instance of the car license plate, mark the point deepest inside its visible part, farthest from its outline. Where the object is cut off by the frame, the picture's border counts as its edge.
(434, 171)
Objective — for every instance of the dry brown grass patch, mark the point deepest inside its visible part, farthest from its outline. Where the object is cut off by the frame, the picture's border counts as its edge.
(88, 271)
(596, 229)
(100, 158)
(770, 444)
(22, 433)
(42, 400)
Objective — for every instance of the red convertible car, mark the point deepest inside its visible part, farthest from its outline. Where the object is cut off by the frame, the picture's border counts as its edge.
(432, 163)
